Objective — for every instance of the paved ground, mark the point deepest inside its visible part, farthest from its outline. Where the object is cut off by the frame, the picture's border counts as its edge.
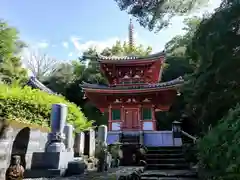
(110, 175)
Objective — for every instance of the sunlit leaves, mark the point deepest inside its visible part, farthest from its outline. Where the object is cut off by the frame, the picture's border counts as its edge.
(10, 46)
(156, 14)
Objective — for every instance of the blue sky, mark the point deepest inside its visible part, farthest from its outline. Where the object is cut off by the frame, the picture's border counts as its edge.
(63, 29)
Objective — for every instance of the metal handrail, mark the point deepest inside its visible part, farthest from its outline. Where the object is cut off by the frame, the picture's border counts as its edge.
(189, 136)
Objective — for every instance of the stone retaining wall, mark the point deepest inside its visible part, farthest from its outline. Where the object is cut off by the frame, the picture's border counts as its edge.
(22, 140)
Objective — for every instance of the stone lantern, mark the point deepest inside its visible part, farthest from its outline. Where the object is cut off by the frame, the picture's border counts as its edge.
(176, 128)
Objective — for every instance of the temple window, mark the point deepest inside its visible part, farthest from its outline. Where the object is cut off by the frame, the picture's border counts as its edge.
(146, 113)
(116, 114)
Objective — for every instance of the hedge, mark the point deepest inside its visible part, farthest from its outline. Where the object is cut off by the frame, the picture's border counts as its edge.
(219, 150)
(33, 106)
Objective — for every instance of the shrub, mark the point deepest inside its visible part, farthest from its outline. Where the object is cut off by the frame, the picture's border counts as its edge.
(219, 150)
(33, 106)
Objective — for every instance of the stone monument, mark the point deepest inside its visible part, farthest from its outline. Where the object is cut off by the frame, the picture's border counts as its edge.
(79, 144)
(68, 141)
(89, 143)
(56, 157)
(102, 134)
(104, 157)
(56, 136)
(92, 143)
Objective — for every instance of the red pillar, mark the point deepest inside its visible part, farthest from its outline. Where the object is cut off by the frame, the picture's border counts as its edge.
(140, 117)
(110, 117)
(122, 117)
(154, 119)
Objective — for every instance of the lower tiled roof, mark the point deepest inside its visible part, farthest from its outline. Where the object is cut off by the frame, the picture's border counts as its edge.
(168, 84)
(35, 83)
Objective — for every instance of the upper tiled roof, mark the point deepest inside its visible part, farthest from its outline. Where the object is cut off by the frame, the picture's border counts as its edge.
(131, 57)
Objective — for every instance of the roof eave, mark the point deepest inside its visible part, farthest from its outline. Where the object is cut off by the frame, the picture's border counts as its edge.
(127, 91)
(155, 57)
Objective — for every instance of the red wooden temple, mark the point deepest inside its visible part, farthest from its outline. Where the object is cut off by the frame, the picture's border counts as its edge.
(135, 91)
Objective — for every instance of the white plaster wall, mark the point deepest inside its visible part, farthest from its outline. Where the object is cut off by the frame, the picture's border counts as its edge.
(116, 126)
(147, 126)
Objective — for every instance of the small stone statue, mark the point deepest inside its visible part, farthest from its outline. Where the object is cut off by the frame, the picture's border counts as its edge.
(115, 163)
(15, 171)
(143, 163)
(134, 159)
(122, 178)
(135, 176)
(108, 160)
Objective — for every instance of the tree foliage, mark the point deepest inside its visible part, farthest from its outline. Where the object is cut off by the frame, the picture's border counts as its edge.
(25, 105)
(39, 64)
(34, 107)
(219, 153)
(215, 48)
(10, 46)
(177, 64)
(156, 14)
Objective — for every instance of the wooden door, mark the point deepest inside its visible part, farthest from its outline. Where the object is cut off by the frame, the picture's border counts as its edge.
(131, 119)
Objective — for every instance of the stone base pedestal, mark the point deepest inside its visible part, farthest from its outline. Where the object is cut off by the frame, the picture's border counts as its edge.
(51, 160)
(49, 164)
(44, 173)
(76, 167)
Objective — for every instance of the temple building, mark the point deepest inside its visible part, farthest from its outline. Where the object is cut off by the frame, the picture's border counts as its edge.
(134, 93)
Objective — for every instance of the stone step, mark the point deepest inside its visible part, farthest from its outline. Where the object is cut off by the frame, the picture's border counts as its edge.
(165, 148)
(131, 140)
(164, 156)
(166, 178)
(46, 173)
(165, 161)
(130, 137)
(170, 173)
(181, 166)
(127, 144)
(163, 151)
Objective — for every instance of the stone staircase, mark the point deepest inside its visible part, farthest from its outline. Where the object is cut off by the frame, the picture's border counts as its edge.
(130, 139)
(167, 163)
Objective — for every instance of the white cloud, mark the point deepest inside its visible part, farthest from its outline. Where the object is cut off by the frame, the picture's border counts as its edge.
(42, 45)
(70, 54)
(65, 45)
(99, 45)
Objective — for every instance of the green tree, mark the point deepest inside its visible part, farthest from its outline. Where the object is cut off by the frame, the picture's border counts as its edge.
(10, 46)
(124, 49)
(177, 45)
(213, 88)
(177, 64)
(39, 64)
(153, 14)
(219, 150)
(61, 77)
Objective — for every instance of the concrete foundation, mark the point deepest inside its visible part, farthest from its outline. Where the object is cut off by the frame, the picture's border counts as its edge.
(148, 138)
